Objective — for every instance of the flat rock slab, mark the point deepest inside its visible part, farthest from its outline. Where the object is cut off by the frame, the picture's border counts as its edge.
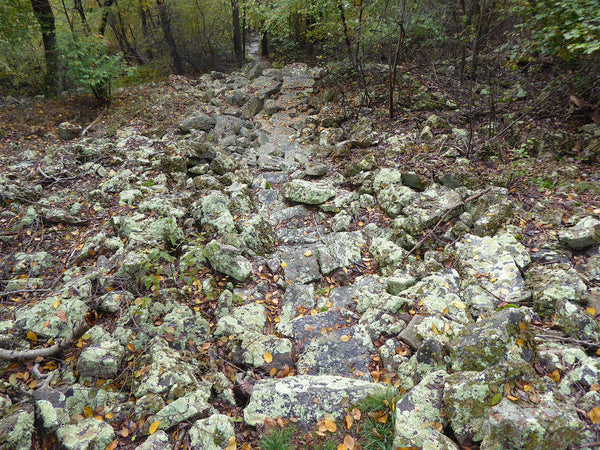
(345, 351)
(308, 192)
(306, 329)
(306, 397)
(300, 265)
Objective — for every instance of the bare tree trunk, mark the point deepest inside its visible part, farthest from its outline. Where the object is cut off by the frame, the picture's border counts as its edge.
(165, 24)
(79, 8)
(392, 64)
(237, 34)
(105, 11)
(145, 32)
(264, 44)
(45, 18)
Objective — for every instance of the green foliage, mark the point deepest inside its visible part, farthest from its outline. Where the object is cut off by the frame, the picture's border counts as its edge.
(566, 28)
(152, 269)
(278, 439)
(88, 63)
(377, 432)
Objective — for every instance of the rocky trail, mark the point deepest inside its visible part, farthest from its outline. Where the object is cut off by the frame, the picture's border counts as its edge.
(268, 261)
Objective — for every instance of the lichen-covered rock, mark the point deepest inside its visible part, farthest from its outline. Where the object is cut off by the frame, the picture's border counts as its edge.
(213, 433)
(280, 350)
(469, 396)
(428, 207)
(182, 325)
(576, 322)
(501, 259)
(42, 317)
(16, 429)
(305, 397)
(388, 255)
(87, 434)
(300, 264)
(585, 233)
(250, 318)
(309, 192)
(215, 214)
(491, 211)
(501, 337)
(228, 260)
(258, 234)
(553, 282)
(345, 352)
(166, 373)
(198, 122)
(103, 358)
(189, 407)
(544, 426)
(68, 130)
(167, 230)
(339, 250)
(158, 441)
(296, 296)
(394, 198)
(419, 415)
(162, 205)
(32, 263)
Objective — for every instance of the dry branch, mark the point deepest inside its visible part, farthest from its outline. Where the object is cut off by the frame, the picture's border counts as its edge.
(444, 217)
(20, 355)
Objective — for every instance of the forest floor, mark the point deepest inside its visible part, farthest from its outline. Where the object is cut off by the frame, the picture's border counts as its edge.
(535, 147)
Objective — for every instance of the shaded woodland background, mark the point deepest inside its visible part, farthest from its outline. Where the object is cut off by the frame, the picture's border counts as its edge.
(47, 46)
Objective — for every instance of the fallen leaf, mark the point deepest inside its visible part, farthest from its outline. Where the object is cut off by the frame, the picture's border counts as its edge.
(522, 326)
(512, 398)
(153, 427)
(496, 399)
(268, 358)
(349, 442)
(591, 311)
(595, 415)
(520, 342)
(435, 330)
(231, 445)
(273, 372)
(56, 304)
(308, 253)
(88, 411)
(555, 375)
(438, 426)
(62, 315)
(344, 338)
(330, 425)
(356, 414)
(131, 347)
(349, 421)
(32, 336)
(460, 305)
(283, 264)
(124, 432)
(112, 445)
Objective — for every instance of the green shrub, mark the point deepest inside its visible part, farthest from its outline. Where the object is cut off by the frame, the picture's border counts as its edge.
(87, 62)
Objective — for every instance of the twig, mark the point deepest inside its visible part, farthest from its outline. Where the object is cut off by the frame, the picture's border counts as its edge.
(568, 339)
(15, 355)
(86, 129)
(444, 217)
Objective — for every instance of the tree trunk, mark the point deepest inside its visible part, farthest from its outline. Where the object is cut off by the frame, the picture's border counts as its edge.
(45, 17)
(145, 33)
(264, 45)
(104, 20)
(79, 8)
(165, 24)
(237, 34)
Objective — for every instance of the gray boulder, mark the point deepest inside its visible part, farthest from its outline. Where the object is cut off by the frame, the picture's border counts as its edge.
(585, 233)
(309, 192)
(228, 260)
(198, 122)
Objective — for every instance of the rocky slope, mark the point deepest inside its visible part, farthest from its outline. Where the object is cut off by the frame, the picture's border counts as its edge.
(237, 277)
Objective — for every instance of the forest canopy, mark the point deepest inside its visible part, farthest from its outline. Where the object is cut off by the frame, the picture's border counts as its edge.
(52, 45)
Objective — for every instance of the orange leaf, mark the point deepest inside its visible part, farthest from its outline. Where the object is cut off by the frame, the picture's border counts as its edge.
(32, 336)
(112, 445)
(555, 375)
(522, 326)
(349, 442)
(595, 415)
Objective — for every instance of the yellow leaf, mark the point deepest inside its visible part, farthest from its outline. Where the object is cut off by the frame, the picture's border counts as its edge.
(56, 304)
(381, 417)
(32, 336)
(527, 388)
(349, 442)
(595, 415)
(308, 253)
(283, 264)
(342, 447)
(493, 280)
(460, 305)
(88, 411)
(109, 415)
(330, 425)
(520, 342)
(435, 330)
(231, 445)
(268, 358)
(591, 311)
(344, 338)
(153, 427)
(522, 326)
(349, 421)
(273, 371)
(131, 347)
(555, 375)
(356, 414)
(512, 398)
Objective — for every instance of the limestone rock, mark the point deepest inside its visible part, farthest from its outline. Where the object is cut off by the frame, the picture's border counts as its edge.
(87, 434)
(305, 397)
(198, 122)
(228, 260)
(309, 192)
